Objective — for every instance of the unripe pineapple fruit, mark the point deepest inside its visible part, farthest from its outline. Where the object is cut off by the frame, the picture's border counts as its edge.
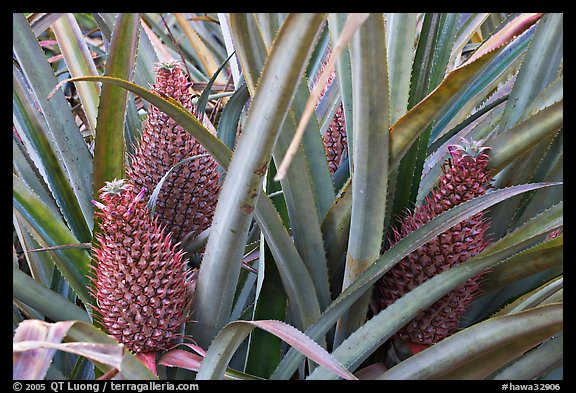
(142, 287)
(465, 176)
(188, 197)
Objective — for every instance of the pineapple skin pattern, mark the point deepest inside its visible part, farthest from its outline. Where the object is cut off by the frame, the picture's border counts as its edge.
(143, 288)
(188, 197)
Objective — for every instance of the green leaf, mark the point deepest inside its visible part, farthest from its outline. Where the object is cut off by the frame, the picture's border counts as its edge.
(26, 170)
(228, 124)
(534, 363)
(222, 259)
(248, 39)
(176, 111)
(478, 351)
(110, 146)
(307, 187)
(551, 168)
(40, 264)
(411, 242)
(295, 278)
(369, 178)
(264, 351)
(534, 298)
(408, 128)
(536, 259)
(523, 137)
(493, 78)
(466, 31)
(48, 302)
(33, 129)
(400, 33)
(203, 100)
(79, 61)
(42, 21)
(227, 341)
(63, 133)
(539, 69)
(336, 232)
(74, 264)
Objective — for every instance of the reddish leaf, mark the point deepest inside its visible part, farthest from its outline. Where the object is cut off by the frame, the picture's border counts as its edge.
(149, 360)
(182, 359)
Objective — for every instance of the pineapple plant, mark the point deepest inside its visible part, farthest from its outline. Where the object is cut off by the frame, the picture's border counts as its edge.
(412, 231)
(465, 176)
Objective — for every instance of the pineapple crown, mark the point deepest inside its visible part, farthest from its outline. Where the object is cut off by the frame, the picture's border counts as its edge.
(116, 187)
(470, 147)
(169, 64)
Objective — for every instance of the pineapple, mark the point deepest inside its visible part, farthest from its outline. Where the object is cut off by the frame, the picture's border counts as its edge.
(335, 139)
(188, 197)
(142, 287)
(465, 176)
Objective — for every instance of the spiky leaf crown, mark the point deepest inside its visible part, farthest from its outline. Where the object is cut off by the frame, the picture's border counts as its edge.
(464, 177)
(188, 197)
(142, 287)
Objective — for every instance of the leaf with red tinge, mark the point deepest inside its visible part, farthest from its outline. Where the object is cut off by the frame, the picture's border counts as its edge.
(149, 360)
(35, 343)
(182, 359)
(229, 339)
(371, 371)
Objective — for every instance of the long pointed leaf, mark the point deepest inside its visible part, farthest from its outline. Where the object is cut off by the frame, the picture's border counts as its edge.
(545, 256)
(534, 363)
(407, 129)
(41, 265)
(79, 62)
(307, 187)
(51, 304)
(526, 135)
(74, 263)
(478, 351)
(369, 178)
(240, 190)
(400, 32)
(109, 160)
(64, 134)
(539, 69)
(32, 128)
(218, 355)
